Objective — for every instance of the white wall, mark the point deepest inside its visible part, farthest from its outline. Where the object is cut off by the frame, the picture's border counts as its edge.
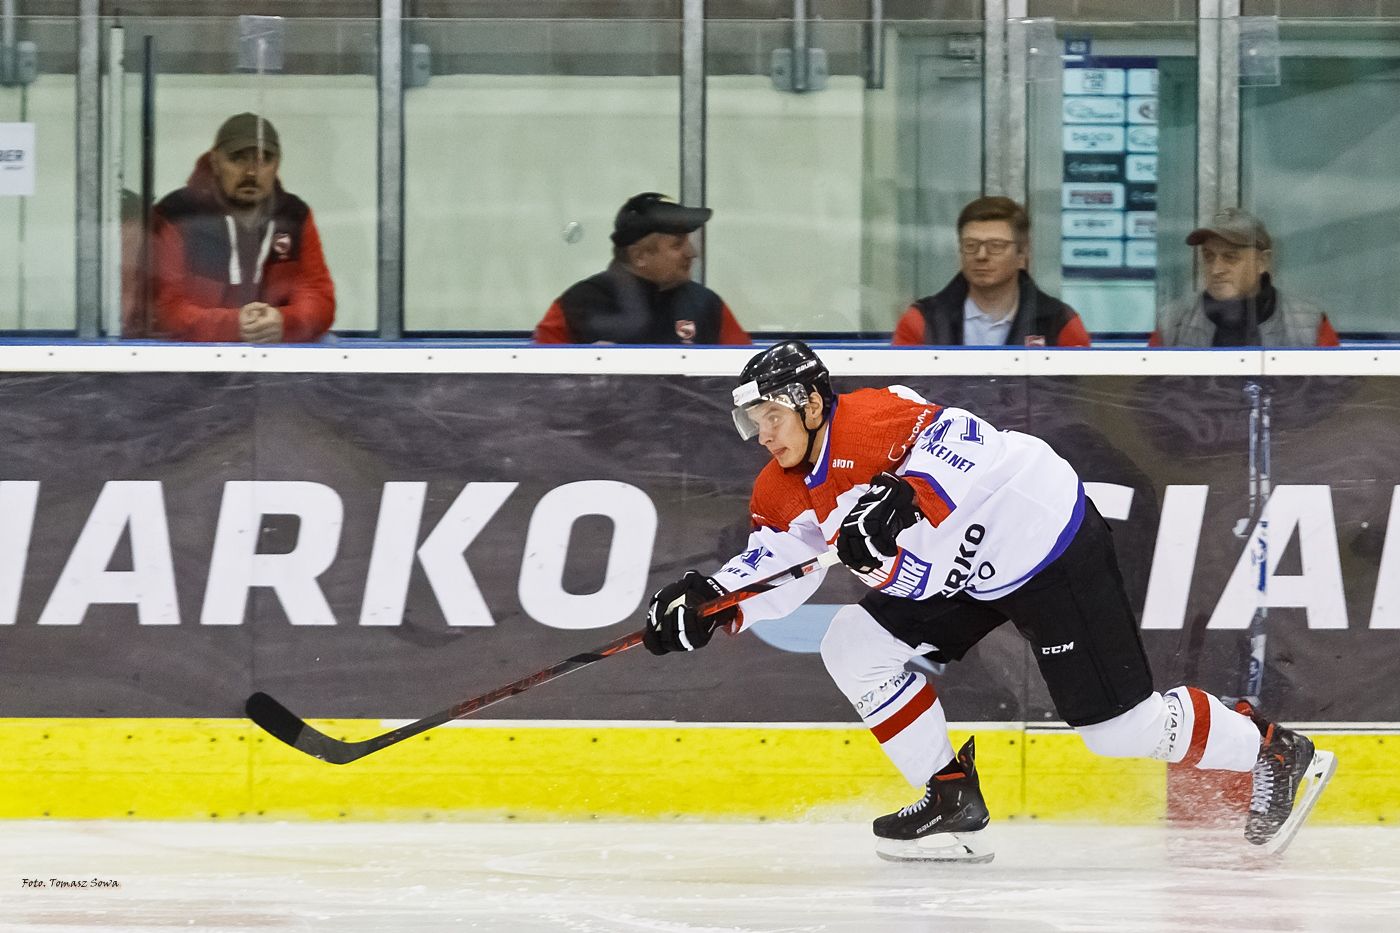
(499, 166)
(37, 244)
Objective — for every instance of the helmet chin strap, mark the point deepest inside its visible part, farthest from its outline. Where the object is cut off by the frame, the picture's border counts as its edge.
(812, 435)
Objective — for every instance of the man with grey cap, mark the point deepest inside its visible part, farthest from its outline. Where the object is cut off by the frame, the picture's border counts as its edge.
(645, 295)
(1240, 306)
(237, 257)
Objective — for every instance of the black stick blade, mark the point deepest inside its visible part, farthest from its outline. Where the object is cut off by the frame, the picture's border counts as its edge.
(284, 725)
(274, 718)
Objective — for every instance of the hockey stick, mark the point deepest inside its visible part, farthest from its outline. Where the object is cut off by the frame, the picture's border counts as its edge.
(286, 726)
(1256, 526)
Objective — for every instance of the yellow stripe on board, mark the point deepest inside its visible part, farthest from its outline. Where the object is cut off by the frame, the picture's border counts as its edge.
(203, 768)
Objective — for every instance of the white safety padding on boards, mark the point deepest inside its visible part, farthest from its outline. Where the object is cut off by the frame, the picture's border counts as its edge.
(149, 584)
(542, 592)
(236, 565)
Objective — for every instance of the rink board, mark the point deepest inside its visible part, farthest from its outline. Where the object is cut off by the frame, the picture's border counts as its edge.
(119, 709)
(226, 768)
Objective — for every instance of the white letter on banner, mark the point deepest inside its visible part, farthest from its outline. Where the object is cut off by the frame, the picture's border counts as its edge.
(18, 501)
(1317, 590)
(1385, 610)
(441, 554)
(1174, 557)
(391, 558)
(1111, 499)
(236, 566)
(149, 584)
(633, 515)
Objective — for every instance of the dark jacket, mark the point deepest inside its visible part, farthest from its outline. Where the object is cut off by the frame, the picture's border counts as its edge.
(196, 295)
(1293, 323)
(616, 306)
(938, 319)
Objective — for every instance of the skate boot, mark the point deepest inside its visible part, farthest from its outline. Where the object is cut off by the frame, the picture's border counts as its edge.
(943, 825)
(1281, 800)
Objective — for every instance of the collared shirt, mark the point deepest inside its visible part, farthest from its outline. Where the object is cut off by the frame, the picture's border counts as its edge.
(981, 329)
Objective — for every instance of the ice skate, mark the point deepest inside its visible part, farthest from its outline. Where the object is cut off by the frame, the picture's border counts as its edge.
(1288, 778)
(944, 825)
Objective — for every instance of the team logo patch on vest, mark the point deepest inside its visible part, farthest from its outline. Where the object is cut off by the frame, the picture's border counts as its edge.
(685, 330)
(282, 245)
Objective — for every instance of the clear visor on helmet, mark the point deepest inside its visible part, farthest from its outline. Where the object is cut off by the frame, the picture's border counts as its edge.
(751, 409)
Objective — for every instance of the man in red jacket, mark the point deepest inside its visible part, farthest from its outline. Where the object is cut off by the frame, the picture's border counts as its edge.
(236, 257)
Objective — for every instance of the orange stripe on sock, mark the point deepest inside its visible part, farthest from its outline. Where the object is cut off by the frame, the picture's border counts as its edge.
(1200, 727)
(919, 704)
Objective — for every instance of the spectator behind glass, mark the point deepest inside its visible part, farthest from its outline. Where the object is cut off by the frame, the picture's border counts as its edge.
(1240, 306)
(645, 295)
(992, 301)
(235, 256)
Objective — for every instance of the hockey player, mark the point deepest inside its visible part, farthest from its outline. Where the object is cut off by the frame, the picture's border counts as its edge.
(957, 527)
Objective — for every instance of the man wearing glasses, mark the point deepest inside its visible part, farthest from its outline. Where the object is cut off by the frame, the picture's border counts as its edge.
(992, 301)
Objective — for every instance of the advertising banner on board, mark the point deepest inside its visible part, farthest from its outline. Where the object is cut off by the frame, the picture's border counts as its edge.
(382, 546)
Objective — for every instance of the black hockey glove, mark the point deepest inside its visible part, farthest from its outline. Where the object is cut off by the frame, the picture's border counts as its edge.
(867, 535)
(673, 624)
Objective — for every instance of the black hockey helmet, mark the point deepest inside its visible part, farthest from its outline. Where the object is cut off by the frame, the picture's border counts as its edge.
(786, 373)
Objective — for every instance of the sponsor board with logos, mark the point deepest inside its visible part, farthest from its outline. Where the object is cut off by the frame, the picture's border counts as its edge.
(1092, 196)
(1109, 107)
(1093, 166)
(363, 545)
(1092, 224)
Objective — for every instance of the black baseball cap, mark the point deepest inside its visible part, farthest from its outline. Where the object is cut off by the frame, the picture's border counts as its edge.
(650, 212)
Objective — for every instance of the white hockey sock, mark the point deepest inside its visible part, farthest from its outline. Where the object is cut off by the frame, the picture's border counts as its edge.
(900, 707)
(1186, 725)
(1219, 737)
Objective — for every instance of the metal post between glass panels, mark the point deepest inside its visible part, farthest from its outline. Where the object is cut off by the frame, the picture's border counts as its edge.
(692, 128)
(391, 142)
(88, 160)
(1017, 76)
(1207, 109)
(1228, 143)
(994, 151)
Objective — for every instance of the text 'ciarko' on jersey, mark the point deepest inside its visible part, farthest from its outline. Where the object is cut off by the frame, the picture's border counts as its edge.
(998, 505)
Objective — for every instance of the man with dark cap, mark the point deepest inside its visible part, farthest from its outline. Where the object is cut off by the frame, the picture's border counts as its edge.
(236, 257)
(645, 295)
(1240, 306)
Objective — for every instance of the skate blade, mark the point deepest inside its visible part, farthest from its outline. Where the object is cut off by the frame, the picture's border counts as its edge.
(940, 847)
(1320, 771)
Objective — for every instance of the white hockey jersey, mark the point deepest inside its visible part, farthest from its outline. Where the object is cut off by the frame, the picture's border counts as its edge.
(998, 506)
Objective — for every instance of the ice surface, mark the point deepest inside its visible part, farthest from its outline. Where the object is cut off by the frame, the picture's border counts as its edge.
(682, 878)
